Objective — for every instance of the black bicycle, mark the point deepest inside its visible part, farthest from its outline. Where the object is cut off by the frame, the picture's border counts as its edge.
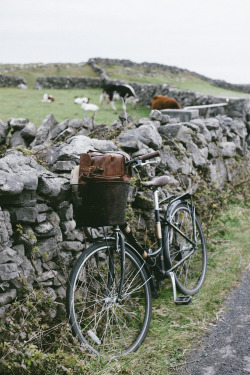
(110, 288)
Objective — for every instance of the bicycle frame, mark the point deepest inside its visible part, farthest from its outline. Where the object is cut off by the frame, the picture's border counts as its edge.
(161, 221)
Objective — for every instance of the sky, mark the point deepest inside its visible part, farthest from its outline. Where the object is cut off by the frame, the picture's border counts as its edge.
(210, 38)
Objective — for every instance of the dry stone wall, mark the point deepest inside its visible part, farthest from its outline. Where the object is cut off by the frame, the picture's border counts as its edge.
(12, 81)
(39, 237)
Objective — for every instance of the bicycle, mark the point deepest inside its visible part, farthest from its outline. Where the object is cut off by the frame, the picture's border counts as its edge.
(110, 288)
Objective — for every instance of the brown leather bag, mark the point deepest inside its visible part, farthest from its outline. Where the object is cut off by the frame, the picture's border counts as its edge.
(97, 166)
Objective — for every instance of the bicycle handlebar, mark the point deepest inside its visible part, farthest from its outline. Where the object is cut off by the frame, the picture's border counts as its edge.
(151, 155)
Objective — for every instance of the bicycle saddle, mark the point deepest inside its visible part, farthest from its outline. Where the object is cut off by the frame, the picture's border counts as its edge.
(157, 181)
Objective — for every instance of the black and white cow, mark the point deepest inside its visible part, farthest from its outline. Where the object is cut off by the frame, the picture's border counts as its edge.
(112, 92)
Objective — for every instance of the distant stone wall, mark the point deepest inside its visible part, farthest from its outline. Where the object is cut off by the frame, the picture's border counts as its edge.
(66, 83)
(39, 237)
(12, 81)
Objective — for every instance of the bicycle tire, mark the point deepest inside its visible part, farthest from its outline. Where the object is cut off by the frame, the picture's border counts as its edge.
(101, 323)
(189, 275)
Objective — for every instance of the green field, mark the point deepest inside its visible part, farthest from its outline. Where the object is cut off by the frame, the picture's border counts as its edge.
(27, 103)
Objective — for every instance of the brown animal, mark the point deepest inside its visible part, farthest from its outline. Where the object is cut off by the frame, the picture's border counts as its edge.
(164, 102)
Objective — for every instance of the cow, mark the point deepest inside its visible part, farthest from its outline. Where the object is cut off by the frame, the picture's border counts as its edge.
(81, 100)
(48, 98)
(111, 91)
(164, 102)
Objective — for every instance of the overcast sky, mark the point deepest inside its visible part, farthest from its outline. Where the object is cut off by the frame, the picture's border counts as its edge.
(210, 38)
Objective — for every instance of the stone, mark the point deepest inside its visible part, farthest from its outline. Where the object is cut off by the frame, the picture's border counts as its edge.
(227, 149)
(67, 133)
(10, 184)
(58, 129)
(74, 246)
(143, 201)
(42, 207)
(203, 129)
(18, 123)
(29, 132)
(8, 271)
(25, 214)
(148, 135)
(41, 218)
(65, 211)
(43, 228)
(48, 248)
(51, 294)
(9, 255)
(5, 229)
(8, 297)
(68, 226)
(26, 271)
(64, 257)
(183, 115)
(170, 130)
(17, 140)
(213, 150)
(75, 123)
(75, 235)
(61, 292)
(4, 130)
(199, 158)
(25, 198)
(20, 250)
(48, 124)
(129, 140)
(212, 123)
(217, 172)
(64, 166)
(46, 276)
(52, 187)
(156, 115)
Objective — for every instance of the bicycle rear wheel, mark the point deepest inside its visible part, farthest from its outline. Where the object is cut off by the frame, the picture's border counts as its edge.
(102, 322)
(190, 274)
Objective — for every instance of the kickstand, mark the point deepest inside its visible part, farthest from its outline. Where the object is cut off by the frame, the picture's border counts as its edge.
(181, 300)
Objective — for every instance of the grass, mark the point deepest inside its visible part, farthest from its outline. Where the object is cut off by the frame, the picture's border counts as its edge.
(175, 329)
(27, 103)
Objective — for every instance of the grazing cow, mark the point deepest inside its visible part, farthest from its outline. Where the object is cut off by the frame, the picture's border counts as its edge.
(111, 92)
(48, 98)
(81, 100)
(164, 102)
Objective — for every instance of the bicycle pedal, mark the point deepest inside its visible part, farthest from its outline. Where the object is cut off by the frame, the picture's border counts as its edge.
(183, 300)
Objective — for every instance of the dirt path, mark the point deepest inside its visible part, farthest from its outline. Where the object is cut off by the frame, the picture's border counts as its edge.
(227, 348)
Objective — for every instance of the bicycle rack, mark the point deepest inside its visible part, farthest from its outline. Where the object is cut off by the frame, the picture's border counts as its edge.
(181, 300)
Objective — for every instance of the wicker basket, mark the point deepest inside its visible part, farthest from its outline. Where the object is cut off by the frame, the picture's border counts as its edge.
(100, 203)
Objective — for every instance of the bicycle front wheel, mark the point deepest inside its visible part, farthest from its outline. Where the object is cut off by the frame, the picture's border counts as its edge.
(103, 322)
(190, 274)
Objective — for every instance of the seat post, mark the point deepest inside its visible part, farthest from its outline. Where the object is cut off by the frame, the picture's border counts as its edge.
(157, 215)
